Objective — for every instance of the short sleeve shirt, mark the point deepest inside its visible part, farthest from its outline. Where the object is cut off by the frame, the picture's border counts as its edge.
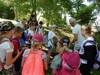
(80, 39)
(5, 48)
(26, 53)
(51, 35)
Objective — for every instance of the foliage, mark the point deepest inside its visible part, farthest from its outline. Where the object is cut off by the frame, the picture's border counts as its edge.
(52, 10)
(85, 14)
(6, 11)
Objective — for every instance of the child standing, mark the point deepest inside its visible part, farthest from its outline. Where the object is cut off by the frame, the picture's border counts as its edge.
(50, 45)
(34, 60)
(15, 40)
(30, 32)
(69, 60)
(40, 28)
(88, 51)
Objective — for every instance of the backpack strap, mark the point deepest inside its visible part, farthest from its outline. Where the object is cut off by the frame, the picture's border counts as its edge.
(94, 43)
(89, 41)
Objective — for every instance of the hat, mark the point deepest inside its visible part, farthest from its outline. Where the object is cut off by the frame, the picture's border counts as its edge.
(64, 41)
(6, 26)
(37, 37)
(19, 24)
(72, 20)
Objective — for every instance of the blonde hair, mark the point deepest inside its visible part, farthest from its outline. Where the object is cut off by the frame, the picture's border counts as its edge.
(87, 28)
(63, 49)
(34, 43)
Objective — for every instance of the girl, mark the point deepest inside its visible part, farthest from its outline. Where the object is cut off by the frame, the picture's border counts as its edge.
(70, 60)
(6, 48)
(88, 51)
(34, 60)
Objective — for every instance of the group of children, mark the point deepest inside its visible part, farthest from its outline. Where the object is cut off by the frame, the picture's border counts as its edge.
(32, 60)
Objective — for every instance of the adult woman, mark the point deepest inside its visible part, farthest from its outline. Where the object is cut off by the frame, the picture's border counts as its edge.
(6, 48)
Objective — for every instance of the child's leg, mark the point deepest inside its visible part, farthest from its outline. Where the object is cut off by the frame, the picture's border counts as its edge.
(49, 54)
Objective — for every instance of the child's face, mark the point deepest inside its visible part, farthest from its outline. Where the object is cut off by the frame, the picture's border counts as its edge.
(11, 32)
(58, 47)
(33, 27)
(19, 34)
(83, 32)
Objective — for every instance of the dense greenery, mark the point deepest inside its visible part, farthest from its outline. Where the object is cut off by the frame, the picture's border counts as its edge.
(51, 10)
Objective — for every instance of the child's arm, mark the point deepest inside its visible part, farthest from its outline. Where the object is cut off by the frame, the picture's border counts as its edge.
(44, 57)
(23, 60)
(25, 54)
(45, 65)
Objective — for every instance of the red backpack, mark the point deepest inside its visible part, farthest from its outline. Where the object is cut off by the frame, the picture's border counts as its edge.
(70, 63)
(33, 64)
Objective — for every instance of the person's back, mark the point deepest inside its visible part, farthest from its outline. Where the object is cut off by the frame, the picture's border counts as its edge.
(40, 28)
(36, 64)
(77, 30)
(35, 57)
(70, 60)
(70, 63)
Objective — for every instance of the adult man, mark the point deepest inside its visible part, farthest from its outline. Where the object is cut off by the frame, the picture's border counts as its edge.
(76, 31)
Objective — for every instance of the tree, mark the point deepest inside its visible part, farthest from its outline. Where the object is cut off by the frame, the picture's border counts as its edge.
(6, 11)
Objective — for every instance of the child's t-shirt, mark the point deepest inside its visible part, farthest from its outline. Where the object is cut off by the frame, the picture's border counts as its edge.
(51, 35)
(26, 53)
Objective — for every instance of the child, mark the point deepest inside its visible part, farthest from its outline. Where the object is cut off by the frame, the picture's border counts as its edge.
(30, 32)
(88, 51)
(69, 60)
(40, 28)
(15, 40)
(50, 43)
(34, 60)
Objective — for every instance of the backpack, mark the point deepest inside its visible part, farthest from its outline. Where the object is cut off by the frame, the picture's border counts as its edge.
(33, 64)
(69, 64)
(56, 62)
(46, 40)
(96, 65)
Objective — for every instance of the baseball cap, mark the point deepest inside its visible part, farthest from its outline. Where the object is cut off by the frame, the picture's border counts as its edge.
(37, 37)
(6, 26)
(72, 20)
(64, 41)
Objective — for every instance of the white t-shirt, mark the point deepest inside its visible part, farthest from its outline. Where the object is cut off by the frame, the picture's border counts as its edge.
(80, 38)
(30, 32)
(5, 48)
(51, 35)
